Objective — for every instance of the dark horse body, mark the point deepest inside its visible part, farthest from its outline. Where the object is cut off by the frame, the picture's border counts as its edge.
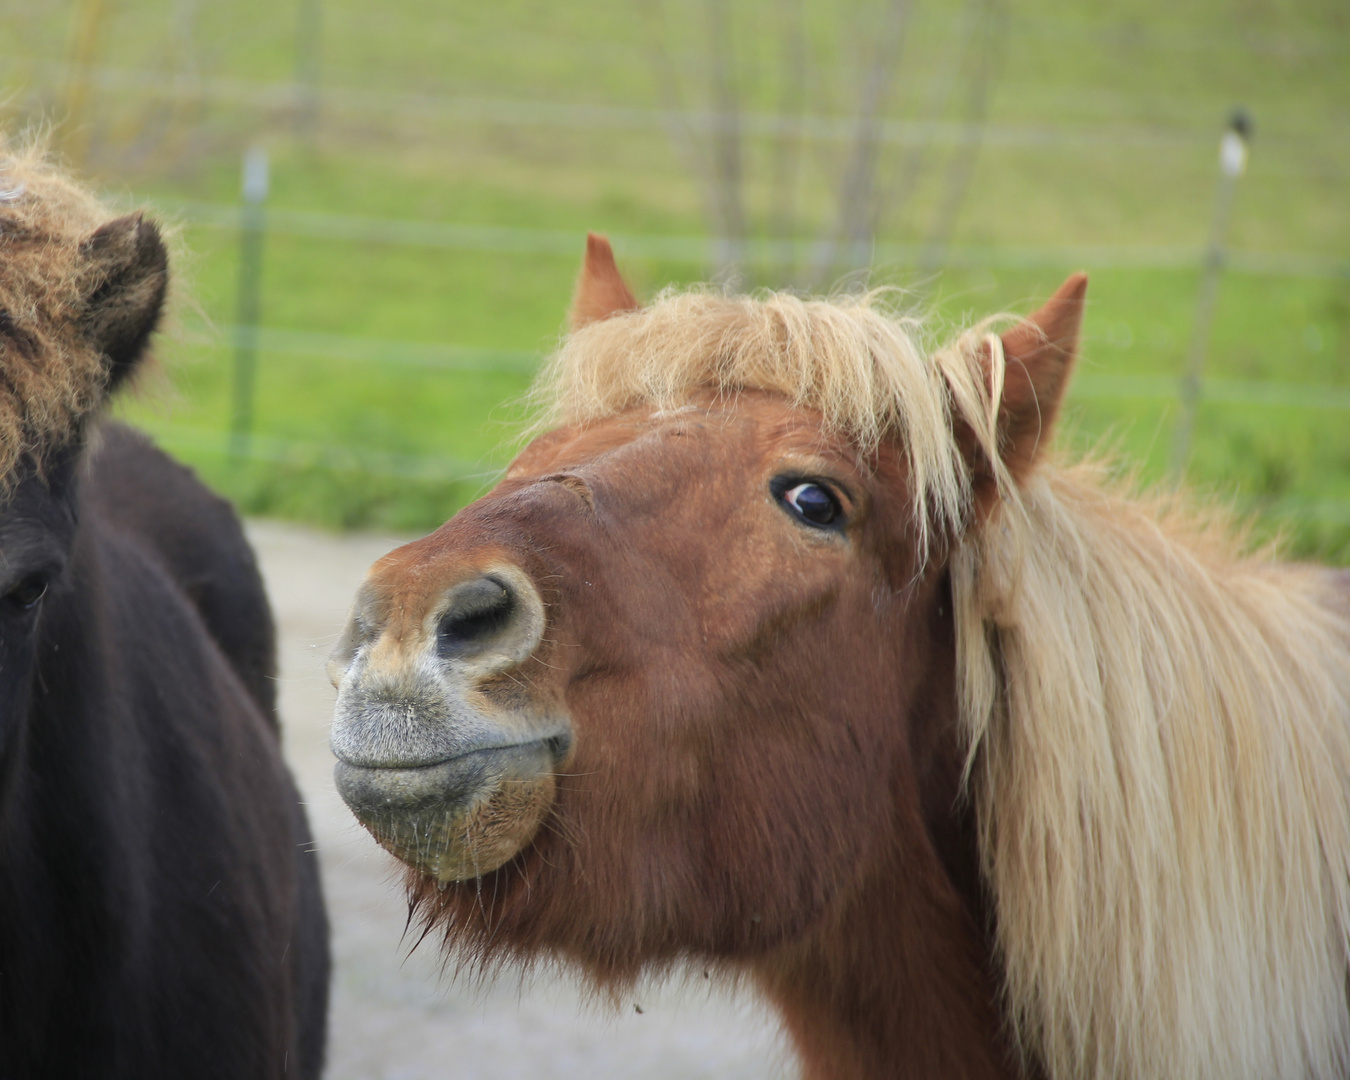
(160, 913)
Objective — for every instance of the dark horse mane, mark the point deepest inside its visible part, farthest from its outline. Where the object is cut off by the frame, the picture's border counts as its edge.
(160, 914)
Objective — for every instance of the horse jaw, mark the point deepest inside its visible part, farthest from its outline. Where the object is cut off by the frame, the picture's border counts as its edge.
(441, 754)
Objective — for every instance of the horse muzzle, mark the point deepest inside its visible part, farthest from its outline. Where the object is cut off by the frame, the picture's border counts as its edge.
(445, 752)
(458, 819)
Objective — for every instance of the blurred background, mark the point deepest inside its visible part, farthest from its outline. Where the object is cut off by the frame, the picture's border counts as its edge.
(381, 210)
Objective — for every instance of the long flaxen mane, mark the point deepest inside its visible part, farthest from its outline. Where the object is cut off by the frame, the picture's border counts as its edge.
(1157, 727)
(50, 377)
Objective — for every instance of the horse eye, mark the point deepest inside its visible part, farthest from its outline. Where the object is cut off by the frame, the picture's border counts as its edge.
(26, 594)
(812, 503)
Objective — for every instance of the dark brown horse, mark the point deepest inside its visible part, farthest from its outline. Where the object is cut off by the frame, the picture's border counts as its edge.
(790, 651)
(160, 914)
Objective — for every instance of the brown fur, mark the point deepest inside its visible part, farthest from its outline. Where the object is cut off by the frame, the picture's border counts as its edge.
(1009, 774)
(730, 851)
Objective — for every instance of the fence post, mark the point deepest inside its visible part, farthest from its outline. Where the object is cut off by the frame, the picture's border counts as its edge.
(248, 299)
(1232, 163)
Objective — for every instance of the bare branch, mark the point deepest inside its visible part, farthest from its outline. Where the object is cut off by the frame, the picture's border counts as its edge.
(788, 147)
(855, 213)
(961, 167)
(675, 116)
(892, 200)
(728, 169)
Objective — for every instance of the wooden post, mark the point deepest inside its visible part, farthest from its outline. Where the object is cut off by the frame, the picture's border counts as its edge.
(248, 299)
(1232, 164)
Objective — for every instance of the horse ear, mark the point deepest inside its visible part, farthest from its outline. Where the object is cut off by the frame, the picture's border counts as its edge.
(601, 291)
(1038, 353)
(131, 268)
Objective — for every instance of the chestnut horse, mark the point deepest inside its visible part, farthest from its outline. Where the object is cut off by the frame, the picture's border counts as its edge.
(160, 913)
(793, 651)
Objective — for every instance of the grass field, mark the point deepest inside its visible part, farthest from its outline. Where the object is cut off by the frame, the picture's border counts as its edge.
(394, 355)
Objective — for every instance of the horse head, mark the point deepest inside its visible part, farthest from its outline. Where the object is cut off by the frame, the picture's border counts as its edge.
(80, 296)
(683, 684)
(788, 650)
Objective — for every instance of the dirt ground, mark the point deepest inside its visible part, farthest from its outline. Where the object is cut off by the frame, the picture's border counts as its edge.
(395, 1016)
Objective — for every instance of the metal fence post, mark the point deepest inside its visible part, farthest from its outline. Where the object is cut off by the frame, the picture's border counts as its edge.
(249, 299)
(1232, 163)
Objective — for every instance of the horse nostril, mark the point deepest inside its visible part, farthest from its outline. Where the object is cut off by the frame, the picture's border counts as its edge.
(481, 613)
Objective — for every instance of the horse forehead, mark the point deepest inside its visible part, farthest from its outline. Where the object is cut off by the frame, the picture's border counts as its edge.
(750, 424)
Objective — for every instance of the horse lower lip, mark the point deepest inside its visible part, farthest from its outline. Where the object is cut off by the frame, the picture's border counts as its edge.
(446, 786)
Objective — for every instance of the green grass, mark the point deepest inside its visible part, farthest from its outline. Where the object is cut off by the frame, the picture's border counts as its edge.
(1103, 135)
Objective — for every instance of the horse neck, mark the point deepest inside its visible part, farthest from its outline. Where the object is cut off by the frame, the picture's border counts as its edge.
(901, 981)
(61, 769)
(59, 872)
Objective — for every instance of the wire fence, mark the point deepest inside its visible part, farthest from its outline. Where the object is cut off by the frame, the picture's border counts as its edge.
(843, 128)
(375, 350)
(1319, 397)
(303, 96)
(265, 449)
(696, 250)
(701, 250)
(271, 450)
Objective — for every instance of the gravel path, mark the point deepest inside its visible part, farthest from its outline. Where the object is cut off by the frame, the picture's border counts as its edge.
(395, 1016)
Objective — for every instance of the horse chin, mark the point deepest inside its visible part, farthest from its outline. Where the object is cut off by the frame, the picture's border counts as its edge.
(459, 819)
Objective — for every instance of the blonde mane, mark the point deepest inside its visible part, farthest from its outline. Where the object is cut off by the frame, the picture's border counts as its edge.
(49, 376)
(1158, 729)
